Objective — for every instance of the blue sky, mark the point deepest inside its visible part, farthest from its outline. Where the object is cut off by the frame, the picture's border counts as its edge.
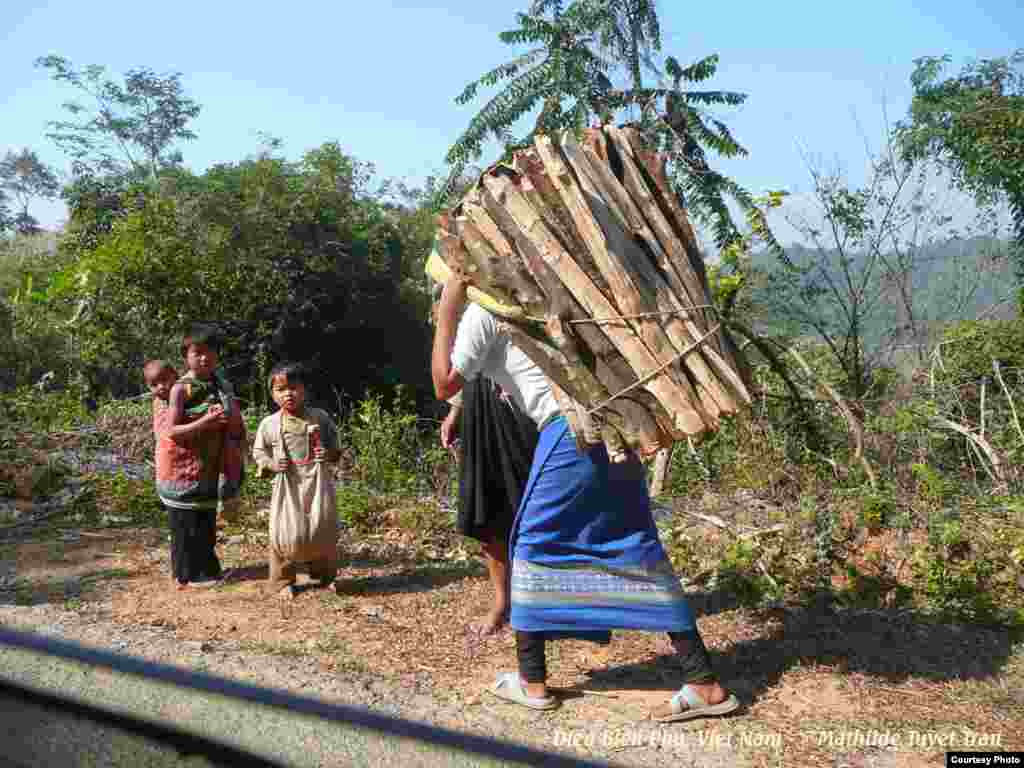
(381, 77)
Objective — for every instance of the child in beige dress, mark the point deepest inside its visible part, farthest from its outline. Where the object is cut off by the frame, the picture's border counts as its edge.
(295, 443)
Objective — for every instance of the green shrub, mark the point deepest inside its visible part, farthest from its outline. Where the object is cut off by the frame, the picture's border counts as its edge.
(878, 508)
(968, 348)
(933, 488)
(116, 501)
(739, 574)
(44, 411)
(32, 332)
(394, 452)
(956, 590)
(359, 506)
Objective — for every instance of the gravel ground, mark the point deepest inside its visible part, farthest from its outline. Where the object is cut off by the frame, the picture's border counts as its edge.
(34, 737)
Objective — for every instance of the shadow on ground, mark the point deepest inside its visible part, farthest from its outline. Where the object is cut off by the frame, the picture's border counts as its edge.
(420, 578)
(889, 647)
(59, 590)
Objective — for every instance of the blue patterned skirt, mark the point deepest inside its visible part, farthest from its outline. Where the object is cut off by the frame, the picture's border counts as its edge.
(585, 552)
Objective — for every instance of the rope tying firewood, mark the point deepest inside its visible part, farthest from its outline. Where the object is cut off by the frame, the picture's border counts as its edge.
(682, 311)
(644, 379)
(620, 318)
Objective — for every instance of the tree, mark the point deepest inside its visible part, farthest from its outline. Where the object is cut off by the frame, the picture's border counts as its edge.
(973, 124)
(291, 260)
(25, 177)
(6, 219)
(577, 52)
(132, 128)
(882, 266)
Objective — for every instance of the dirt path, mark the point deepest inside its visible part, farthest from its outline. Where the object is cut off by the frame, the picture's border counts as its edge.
(859, 690)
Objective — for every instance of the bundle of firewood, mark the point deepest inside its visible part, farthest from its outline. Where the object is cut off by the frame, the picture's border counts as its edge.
(587, 255)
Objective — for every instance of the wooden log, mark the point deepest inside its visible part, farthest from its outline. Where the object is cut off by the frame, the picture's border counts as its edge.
(582, 425)
(669, 254)
(509, 203)
(542, 195)
(680, 328)
(450, 247)
(633, 266)
(677, 395)
(523, 287)
(503, 278)
(654, 166)
(519, 223)
(577, 382)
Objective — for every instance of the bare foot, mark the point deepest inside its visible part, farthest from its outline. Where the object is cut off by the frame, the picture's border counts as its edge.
(287, 592)
(536, 690)
(492, 623)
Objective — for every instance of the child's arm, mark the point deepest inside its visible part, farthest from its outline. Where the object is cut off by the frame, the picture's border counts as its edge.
(329, 446)
(263, 452)
(180, 430)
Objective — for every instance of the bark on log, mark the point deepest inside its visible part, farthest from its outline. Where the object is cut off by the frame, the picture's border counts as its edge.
(594, 268)
(543, 254)
(715, 377)
(675, 392)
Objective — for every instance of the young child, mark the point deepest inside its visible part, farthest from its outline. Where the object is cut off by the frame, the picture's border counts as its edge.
(199, 466)
(159, 376)
(294, 443)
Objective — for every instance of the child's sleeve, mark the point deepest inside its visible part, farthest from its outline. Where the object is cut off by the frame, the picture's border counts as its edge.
(263, 447)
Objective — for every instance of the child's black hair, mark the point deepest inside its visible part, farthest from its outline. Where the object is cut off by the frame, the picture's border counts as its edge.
(201, 334)
(157, 367)
(295, 373)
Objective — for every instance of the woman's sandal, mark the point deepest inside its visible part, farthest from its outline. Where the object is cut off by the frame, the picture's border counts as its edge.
(509, 688)
(687, 704)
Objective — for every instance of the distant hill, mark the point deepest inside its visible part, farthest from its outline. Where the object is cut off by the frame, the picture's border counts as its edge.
(949, 281)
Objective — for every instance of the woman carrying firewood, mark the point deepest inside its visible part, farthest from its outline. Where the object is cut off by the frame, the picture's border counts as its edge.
(586, 558)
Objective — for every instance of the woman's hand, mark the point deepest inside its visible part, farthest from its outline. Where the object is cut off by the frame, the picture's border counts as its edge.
(455, 289)
(319, 454)
(450, 427)
(282, 464)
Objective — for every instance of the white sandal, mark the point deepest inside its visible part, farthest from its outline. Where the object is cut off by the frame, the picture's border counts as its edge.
(509, 687)
(688, 704)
